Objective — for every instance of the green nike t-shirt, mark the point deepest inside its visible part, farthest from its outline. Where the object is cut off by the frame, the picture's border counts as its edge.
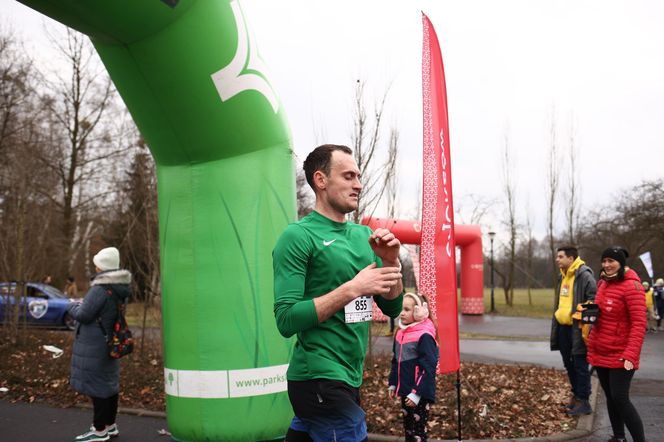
(312, 257)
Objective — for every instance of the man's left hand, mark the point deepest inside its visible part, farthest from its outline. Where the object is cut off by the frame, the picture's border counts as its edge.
(386, 246)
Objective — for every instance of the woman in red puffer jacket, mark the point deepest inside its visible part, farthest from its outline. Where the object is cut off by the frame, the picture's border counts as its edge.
(614, 344)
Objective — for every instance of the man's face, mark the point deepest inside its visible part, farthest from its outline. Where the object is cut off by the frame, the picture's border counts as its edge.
(563, 260)
(342, 186)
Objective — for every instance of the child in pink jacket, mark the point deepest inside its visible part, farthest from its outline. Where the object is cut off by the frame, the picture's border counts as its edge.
(413, 374)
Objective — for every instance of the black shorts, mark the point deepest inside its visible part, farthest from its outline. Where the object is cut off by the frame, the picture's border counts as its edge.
(327, 410)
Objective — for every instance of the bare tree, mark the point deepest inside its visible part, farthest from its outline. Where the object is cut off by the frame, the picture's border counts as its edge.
(553, 169)
(633, 221)
(472, 208)
(16, 93)
(418, 201)
(16, 97)
(24, 214)
(365, 139)
(80, 105)
(573, 186)
(529, 249)
(366, 143)
(392, 179)
(509, 189)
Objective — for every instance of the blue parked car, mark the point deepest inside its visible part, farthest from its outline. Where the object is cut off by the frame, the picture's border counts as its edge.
(40, 305)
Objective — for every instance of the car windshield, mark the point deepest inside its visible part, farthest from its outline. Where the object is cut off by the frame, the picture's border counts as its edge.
(50, 290)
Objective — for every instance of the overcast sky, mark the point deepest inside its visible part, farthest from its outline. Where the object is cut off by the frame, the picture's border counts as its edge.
(510, 67)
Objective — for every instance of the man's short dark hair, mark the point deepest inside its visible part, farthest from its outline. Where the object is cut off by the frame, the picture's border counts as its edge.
(319, 159)
(570, 251)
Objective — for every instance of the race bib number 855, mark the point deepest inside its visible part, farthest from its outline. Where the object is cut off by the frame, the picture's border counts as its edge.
(359, 310)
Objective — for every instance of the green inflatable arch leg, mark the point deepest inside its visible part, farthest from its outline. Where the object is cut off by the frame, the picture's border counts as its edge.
(192, 79)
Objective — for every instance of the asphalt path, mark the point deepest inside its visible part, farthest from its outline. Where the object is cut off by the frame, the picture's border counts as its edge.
(22, 422)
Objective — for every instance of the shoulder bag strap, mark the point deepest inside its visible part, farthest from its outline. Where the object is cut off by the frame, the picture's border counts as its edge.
(109, 294)
(122, 309)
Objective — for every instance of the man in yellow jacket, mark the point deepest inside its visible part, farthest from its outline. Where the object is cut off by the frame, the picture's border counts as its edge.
(650, 307)
(576, 285)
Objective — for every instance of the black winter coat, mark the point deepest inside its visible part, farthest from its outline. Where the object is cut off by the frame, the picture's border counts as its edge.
(93, 372)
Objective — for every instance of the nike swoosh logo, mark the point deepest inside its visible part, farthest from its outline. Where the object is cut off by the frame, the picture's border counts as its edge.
(327, 243)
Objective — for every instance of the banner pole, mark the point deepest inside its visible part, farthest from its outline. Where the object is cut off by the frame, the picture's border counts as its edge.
(458, 391)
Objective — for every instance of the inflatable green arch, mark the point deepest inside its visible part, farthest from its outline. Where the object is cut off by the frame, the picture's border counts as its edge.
(191, 78)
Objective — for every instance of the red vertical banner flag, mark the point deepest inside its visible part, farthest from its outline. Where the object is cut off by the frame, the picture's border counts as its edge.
(438, 278)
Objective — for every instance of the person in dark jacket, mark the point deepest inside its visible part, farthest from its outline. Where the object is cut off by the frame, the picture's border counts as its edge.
(658, 297)
(413, 374)
(614, 344)
(576, 284)
(93, 372)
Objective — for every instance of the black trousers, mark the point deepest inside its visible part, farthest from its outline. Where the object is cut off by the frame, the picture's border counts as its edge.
(105, 410)
(576, 365)
(415, 420)
(615, 383)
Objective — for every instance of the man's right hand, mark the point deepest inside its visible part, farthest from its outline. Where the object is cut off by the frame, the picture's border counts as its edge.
(373, 280)
(370, 281)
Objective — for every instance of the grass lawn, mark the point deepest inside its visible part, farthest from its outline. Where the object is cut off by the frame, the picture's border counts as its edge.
(541, 306)
(134, 316)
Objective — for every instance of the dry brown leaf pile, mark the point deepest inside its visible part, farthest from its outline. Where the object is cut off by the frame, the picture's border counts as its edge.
(498, 401)
(31, 374)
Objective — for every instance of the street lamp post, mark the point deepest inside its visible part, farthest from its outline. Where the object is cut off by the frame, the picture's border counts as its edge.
(493, 305)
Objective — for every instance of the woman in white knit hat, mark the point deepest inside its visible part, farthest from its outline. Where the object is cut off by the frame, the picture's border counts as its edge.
(93, 372)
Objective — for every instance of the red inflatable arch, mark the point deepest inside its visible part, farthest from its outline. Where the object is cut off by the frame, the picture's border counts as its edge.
(468, 238)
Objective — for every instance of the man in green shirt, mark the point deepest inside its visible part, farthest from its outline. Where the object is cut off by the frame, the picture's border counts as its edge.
(327, 274)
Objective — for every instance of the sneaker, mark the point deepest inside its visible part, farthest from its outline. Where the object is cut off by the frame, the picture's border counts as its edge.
(572, 403)
(617, 439)
(93, 436)
(583, 407)
(112, 430)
